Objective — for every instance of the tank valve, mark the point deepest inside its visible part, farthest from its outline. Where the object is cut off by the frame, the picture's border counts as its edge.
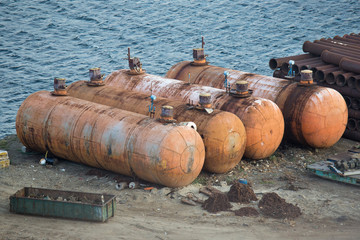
(205, 102)
(96, 78)
(226, 83)
(199, 55)
(59, 87)
(241, 90)
(306, 78)
(135, 65)
(152, 108)
(291, 73)
(167, 114)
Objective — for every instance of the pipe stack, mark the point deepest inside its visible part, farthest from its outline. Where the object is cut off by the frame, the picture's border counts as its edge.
(335, 63)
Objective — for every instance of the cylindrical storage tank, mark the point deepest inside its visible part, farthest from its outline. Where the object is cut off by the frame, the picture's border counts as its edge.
(109, 138)
(314, 115)
(223, 133)
(263, 120)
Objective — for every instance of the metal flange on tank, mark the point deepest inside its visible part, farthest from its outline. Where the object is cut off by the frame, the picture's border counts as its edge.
(306, 78)
(241, 90)
(135, 65)
(205, 103)
(59, 87)
(96, 78)
(199, 55)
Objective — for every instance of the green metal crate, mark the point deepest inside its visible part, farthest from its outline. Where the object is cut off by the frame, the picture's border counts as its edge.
(63, 204)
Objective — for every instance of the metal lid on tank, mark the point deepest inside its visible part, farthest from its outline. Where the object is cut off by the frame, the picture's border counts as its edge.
(167, 114)
(96, 78)
(205, 102)
(306, 78)
(59, 87)
(241, 90)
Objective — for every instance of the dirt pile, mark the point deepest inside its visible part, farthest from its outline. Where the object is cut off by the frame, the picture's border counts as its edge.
(246, 212)
(272, 205)
(217, 202)
(241, 193)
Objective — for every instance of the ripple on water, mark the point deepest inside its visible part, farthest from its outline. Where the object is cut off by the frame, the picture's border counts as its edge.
(46, 39)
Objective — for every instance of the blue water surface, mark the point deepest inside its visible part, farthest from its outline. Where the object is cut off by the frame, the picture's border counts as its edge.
(40, 40)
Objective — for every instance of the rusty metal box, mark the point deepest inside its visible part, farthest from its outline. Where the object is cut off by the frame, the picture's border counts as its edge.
(63, 204)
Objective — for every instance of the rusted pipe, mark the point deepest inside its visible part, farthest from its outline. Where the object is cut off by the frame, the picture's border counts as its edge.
(298, 66)
(354, 114)
(278, 74)
(262, 118)
(320, 126)
(285, 66)
(277, 62)
(343, 90)
(112, 139)
(352, 81)
(342, 79)
(350, 40)
(357, 85)
(355, 104)
(330, 78)
(354, 135)
(351, 65)
(223, 133)
(348, 102)
(314, 48)
(320, 74)
(338, 44)
(351, 124)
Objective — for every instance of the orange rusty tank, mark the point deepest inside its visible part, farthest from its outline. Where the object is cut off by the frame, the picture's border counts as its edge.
(223, 133)
(109, 138)
(314, 115)
(263, 120)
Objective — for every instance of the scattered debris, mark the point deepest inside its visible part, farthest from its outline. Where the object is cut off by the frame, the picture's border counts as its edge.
(272, 205)
(133, 185)
(121, 185)
(217, 202)
(246, 212)
(241, 193)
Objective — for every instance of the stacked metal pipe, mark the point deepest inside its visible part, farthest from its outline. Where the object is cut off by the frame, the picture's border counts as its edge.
(335, 63)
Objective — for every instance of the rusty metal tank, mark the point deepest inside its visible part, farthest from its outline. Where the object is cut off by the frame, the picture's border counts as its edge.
(263, 120)
(314, 115)
(223, 133)
(109, 138)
